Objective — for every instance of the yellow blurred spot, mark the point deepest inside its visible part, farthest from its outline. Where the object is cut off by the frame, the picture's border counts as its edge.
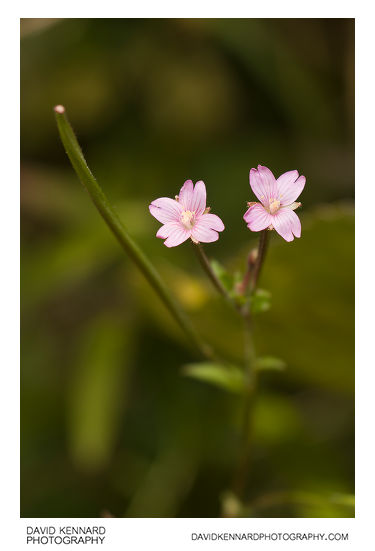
(190, 293)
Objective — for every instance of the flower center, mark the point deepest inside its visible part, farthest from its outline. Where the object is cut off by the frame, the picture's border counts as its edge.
(274, 206)
(188, 219)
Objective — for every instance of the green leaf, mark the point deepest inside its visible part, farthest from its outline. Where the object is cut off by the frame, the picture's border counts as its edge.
(228, 377)
(225, 278)
(260, 301)
(270, 363)
(111, 218)
(318, 294)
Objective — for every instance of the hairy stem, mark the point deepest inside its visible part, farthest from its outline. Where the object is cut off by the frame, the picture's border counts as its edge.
(249, 271)
(114, 223)
(262, 249)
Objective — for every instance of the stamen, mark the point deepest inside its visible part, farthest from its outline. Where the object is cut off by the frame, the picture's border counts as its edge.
(274, 205)
(188, 219)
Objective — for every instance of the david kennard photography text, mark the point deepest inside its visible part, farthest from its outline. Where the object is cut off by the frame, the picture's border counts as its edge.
(65, 534)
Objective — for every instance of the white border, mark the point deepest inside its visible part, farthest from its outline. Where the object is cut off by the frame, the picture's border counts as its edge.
(176, 534)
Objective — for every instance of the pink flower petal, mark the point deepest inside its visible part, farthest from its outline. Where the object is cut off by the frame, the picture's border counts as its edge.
(165, 209)
(186, 195)
(287, 223)
(204, 234)
(257, 218)
(198, 202)
(177, 236)
(211, 221)
(292, 206)
(290, 186)
(263, 184)
(168, 228)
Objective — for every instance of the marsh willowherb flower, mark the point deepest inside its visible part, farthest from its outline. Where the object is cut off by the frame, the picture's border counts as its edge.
(186, 216)
(277, 202)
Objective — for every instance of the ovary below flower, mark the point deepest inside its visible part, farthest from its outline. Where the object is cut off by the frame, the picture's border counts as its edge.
(277, 202)
(186, 216)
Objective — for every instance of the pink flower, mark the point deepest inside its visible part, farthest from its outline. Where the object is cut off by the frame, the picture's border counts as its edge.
(277, 202)
(186, 216)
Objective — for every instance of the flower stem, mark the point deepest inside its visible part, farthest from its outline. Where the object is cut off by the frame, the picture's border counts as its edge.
(205, 263)
(240, 477)
(262, 249)
(249, 271)
(114, 223)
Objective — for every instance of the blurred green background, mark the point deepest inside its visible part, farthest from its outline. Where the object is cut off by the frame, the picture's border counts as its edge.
(108, 421)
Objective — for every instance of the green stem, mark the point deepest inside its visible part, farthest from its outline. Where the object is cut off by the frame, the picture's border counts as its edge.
(205, 263)
(240, 478)
(113, 221)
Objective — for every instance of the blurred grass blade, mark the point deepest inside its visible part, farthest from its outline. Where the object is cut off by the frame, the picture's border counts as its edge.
(230, 378)
(323, 504)
(111, 218)
(166, 482)
(346, 500)
(97, 392)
